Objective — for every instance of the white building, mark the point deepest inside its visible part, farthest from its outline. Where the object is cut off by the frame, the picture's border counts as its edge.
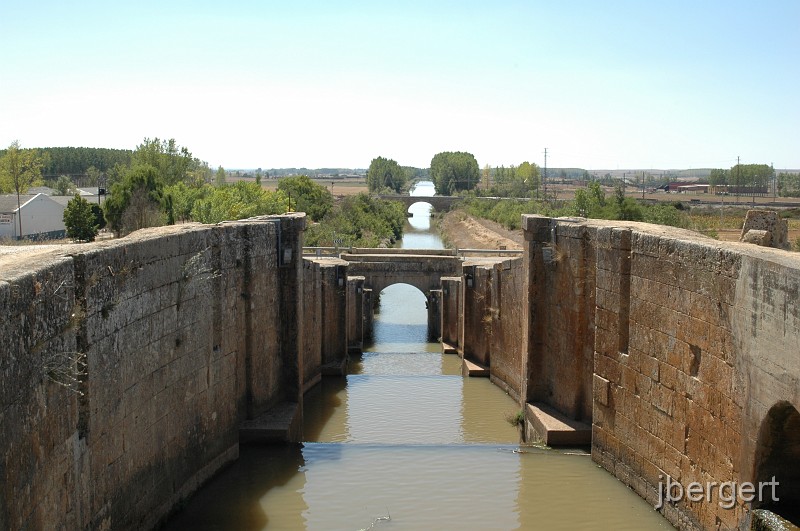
(42, 217)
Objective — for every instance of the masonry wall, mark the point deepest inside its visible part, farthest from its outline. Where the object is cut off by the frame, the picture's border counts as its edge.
(507, 339)
(695, 349)
(474, 343)
(183, 333)
(451, 311)
(325, 316)
(560, 275)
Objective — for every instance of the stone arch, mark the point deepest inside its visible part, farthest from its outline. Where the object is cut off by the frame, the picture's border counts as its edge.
(400, 282)
(378, 283)
(424, 202)
(778, 456)
(432, 300)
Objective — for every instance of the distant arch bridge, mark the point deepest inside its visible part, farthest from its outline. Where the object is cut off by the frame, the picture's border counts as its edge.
(440, 203)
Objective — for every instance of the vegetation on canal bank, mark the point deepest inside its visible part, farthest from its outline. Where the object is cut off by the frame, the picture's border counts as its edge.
(722, 223)
(590, 203)
(359, 221)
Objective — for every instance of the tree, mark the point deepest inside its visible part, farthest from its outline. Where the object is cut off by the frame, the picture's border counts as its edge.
(220, 178)
(385, 173)
(136, 201)
(486, 175)
(65, 186)
(99, 216)
(626, 208)
(718, 177)
(79, 220)
(172, 162)
(183, 198)
(753, 176)
(238, 201)
(19, 169)
(454, 171)
(307, 196)
(590, 202)
(789, 184)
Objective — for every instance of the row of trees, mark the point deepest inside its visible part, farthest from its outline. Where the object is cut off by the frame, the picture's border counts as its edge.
(75, 161)
(743, 175)
(387, 176)
(515, 181)
(451, 172)
(789, 184)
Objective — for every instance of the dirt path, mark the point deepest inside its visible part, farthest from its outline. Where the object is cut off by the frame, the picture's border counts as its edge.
(466, 232)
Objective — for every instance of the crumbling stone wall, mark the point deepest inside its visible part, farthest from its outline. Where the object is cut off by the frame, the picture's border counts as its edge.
(183, 332)
(765, 228)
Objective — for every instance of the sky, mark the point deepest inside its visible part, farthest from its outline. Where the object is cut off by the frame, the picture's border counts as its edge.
(262, 84)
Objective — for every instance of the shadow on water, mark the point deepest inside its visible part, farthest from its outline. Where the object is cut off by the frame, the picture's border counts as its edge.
(238, 490)
(320, 404)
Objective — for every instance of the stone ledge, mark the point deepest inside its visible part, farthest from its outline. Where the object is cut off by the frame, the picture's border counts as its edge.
(448, 349)
(470, 368)
(556, 429)
(277, 425)
(335, 368)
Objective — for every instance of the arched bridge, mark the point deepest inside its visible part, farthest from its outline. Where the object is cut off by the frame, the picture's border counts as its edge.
(440, 203)
(421, 268)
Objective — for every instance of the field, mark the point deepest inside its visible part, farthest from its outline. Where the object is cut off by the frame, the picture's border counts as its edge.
(338, 187)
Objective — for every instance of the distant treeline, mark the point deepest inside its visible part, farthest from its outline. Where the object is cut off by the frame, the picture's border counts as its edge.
(76, 160)
(318, 172)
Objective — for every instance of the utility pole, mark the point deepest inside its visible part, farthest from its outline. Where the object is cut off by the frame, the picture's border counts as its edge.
(738, 179)
(774, 182)
(642, 185)
(544, 177)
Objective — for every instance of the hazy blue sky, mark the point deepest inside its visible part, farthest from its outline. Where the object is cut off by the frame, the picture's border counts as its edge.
(601, 84)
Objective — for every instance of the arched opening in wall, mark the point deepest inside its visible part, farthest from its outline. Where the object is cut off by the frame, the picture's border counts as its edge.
(401, 320)
(419, 215)
(777, 463)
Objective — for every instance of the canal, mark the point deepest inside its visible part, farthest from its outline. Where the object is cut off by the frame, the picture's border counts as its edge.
(404, 442)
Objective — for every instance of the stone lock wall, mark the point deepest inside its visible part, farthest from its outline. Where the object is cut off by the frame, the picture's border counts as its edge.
(451, 310)
(560, 270)
(493, 318)
(129, 365)
(325, 315)
(694, 374)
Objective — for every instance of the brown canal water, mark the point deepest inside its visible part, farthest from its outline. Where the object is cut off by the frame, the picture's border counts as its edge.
(404, 442)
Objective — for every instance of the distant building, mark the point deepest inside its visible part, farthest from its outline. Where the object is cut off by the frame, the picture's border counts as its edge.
(693, 188)
(42, 217)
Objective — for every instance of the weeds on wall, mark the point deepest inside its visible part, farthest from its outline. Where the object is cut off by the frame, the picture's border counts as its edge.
(66, 369)
(516, 419)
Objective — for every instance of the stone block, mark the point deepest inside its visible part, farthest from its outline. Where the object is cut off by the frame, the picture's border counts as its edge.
(556, 429)
(600, 390)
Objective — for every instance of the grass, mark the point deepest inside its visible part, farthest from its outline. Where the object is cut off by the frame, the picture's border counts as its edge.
(516, 419)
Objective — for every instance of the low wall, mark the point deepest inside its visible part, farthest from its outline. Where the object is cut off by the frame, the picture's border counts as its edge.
(694, 375)
(127, 367)
(492, 320)
(324, 348)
